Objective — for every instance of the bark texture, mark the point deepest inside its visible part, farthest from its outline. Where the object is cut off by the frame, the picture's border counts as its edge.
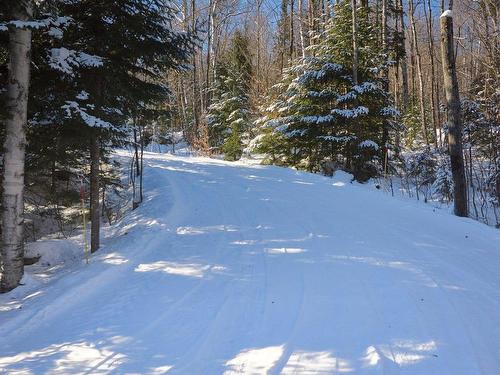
(411, 11)
(12, 253)
(454, 116)
(95, 217)
(354, 42)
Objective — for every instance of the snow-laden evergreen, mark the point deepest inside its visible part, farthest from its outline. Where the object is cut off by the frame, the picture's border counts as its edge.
(229, 114)
(322, 113)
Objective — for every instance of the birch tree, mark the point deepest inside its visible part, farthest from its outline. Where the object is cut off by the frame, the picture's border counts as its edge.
(12, 252)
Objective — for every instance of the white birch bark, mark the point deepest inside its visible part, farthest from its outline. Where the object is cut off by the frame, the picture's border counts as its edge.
(12, 250)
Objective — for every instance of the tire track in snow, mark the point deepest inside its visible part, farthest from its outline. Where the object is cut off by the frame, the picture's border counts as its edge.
(222, 326)
(331, 304)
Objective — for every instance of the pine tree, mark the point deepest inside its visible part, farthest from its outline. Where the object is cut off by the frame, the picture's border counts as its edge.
(128, 47)
(229, 113)
(323, 113)
(98, 64)
(220, 108)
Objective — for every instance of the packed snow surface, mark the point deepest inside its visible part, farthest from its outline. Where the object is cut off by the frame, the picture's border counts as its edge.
(234, 268)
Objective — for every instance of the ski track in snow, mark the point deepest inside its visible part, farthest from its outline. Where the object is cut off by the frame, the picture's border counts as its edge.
(234, 268)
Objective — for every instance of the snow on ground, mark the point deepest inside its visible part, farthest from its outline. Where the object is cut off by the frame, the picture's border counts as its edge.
(234, 268)
(55, 257)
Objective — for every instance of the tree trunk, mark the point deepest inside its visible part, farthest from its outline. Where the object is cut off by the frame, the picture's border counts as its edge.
(12, 253)
(411, 11)
(195, 78)
(354, 43)
(283, 33)
(434, 106)
(404, 62)
(94, 193)
(312, 21)
(384, 26)
(385, 133)
(454, 115)
(258, 27)
(141, 197)
(184, 96)
(292, 36)
(212, 14)
(300, 11)
(136, 149)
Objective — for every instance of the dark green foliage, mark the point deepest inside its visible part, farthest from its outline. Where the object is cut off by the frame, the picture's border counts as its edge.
(107, 65)
(232, 148)
(321, 114)
(97, 64)
(228, 116)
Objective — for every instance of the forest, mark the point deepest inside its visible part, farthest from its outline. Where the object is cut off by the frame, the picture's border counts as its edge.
(98, 96)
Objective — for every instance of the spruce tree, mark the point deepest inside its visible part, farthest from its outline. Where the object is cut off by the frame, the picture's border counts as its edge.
(98, 64)
(320, 110)
(229, 113)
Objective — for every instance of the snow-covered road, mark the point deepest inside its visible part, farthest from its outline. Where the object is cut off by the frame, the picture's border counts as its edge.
(230, 268)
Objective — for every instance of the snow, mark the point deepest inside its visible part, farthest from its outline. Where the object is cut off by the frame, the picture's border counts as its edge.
(350, 113)
(343, 138)
(65, 60)
(365, 87)
(316, 119)
(55, 32)
(447, 13)
(82, 95)
(92, 121)
(310, 75)
(54, 255)
(254, 144)
(54, 251)
(38, 24)
(368, 143)
(237, 268)
(29, 24)
(390, 111)
(351, 95)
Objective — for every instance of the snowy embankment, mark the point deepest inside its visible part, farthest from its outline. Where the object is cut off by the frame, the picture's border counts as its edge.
(231, 268)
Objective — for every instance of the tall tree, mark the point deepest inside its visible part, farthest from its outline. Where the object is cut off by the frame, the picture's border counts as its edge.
(228, 115)
(434, 105)
(283, 35)
(418, 58)
(332, 105)
(354, 23)
(454, 114)
(131, 45)
(12, 251)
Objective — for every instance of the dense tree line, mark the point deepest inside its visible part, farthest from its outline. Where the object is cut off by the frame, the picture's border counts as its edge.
(311, 58)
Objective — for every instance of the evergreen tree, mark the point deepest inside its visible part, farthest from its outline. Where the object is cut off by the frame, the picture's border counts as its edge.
(229, 113)
(322, 113)
(129, 45)
(97, 64)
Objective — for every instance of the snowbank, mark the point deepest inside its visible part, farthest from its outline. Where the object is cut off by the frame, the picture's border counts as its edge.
(55, 251)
